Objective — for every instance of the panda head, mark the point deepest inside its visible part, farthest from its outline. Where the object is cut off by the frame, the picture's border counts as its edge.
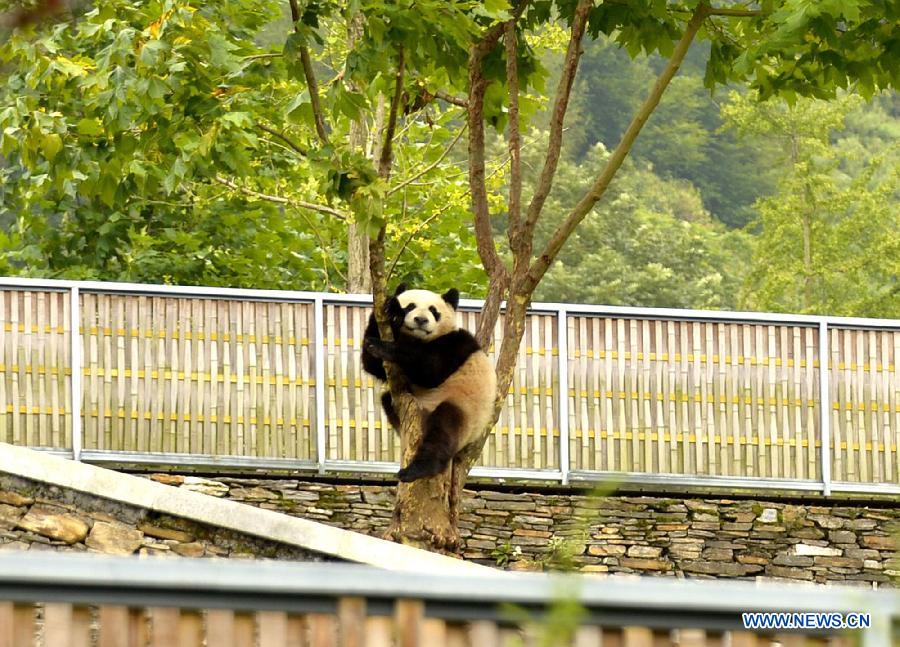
(423, 314)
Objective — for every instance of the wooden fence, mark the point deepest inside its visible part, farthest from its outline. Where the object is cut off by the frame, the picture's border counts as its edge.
(65, 625)
(222, 375)
(103, 602)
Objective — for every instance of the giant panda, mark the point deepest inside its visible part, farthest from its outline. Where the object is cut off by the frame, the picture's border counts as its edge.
(450, 377)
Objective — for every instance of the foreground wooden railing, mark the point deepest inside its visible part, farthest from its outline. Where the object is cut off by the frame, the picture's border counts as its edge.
(209, 376)
(106, 602)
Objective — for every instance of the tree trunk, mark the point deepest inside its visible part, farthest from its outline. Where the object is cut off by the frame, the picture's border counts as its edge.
(359, 278)
(422, 510)
(427, 511)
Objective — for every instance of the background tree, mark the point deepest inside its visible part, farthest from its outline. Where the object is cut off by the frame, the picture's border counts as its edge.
(829, 239)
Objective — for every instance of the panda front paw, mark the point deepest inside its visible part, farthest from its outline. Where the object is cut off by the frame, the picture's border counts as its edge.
(377, 348)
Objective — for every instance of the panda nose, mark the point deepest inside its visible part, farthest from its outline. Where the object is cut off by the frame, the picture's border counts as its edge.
(420, 321)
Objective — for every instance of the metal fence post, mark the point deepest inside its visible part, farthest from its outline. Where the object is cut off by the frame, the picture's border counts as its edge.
(319, 327)
(824, 408)
(77, 370)
(562, 335)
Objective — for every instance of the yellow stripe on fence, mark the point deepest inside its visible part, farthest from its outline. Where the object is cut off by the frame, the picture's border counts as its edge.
(198, 335)
(212, 418)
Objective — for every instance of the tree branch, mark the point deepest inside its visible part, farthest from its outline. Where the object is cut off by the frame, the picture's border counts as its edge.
(431, 166)
(514, 140)
(257, 57)
(294, 145)
(387, 149)
(311, 83)
(738, 13)
(449, 98)
(554, 145)
(484, 235)
(562, 233)
(487, 250)
(299, 204)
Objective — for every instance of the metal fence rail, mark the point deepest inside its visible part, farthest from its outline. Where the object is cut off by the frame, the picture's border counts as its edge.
(271, 379)
(240, 604)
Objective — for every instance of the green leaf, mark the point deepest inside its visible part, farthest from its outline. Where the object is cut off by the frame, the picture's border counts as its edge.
(51, 144)
(108, 185)
(495, 7)
(90, 127)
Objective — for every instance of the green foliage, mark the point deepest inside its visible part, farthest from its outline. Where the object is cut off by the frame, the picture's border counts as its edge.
(562, 552)
(504, 553)
(829, 239)
(176, 141)
(119, 129)
(114, 128)
(651, 243)
(557, 624)
(683, 139)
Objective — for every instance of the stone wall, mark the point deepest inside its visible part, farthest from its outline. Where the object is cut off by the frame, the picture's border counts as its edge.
(36, 516)
(700, 538)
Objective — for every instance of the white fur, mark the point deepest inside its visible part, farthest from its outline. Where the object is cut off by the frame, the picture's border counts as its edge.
(473, 387)
(424, 300)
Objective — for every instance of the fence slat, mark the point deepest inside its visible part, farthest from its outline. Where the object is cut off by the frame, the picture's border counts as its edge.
(58, 625)
(691, 638)
(743, 639)
(322, 630)
(379, 631)
(483, 633)
(588, 636)
(352, 621)
(164, 627)
(25, 625)
(296, 632)
(190, 629)
(7, 617)
(244, 630)
(113, 626)
(272, 628)
(220, 630)
(409, 616)
(434, 632)
(637, 637)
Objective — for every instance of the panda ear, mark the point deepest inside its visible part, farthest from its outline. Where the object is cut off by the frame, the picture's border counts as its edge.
(392, 307)
(451, 296)
(400, 289)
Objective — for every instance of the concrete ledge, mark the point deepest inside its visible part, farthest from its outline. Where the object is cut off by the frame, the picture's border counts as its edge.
(144, 493)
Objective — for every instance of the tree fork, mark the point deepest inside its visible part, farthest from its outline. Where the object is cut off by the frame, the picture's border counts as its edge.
(522, 283)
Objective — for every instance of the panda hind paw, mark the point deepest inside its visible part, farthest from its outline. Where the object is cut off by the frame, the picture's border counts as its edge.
(417, 470)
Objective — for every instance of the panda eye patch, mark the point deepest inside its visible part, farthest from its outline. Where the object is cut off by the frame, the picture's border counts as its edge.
(435, 313)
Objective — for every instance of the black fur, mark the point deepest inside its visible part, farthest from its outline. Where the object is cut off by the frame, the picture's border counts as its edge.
(439, 441)
(425, 364)
(388, 405)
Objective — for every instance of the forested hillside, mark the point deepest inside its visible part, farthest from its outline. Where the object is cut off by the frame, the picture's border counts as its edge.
(729, 203)
(110, 169)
